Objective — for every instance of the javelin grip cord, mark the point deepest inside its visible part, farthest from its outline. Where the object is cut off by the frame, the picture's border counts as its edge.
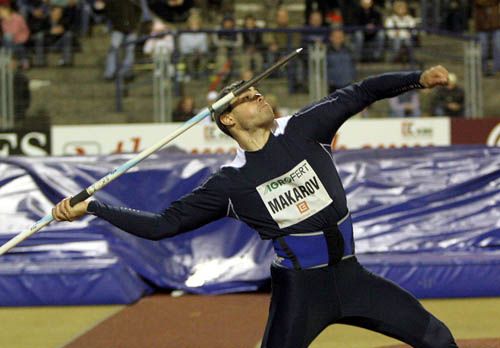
(80, 197)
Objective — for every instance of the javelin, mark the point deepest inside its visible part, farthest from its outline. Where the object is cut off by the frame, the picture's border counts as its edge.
(218, 106)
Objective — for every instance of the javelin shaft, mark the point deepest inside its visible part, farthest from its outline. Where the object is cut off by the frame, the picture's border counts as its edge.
(267, 72)
(89, 191)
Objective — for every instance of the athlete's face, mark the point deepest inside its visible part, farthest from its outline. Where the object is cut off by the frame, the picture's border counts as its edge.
(250, 110)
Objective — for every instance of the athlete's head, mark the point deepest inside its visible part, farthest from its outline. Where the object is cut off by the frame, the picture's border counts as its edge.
(247, 111)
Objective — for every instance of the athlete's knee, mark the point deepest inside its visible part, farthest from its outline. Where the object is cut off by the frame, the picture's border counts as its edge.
(438, 335)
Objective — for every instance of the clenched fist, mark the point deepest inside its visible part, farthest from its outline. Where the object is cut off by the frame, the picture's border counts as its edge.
(435, 76)
(64, 212)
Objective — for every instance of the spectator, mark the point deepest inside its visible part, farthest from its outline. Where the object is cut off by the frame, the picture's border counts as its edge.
(159, 43)
(316, 30)
(368, 17)
(487, 19)
(71, 16)
(340, 65)
(449, 100)
(147, 15)
(320, 6)
(247, 74)
(332, 11)
(193, 47)
(184, 110)
(15, 32)
(87, 14)
(173, 11)
(334, 18)
(252, 45)
(279, 43)
(406, 105)
(455, 15)
(228, 44)
(91, 13)
(52, 30)
(314, 35)
(124, 17)
(58, 36)
(401, 39)
(38, 19)
(213, 8)
(23, 7)
(270, 8)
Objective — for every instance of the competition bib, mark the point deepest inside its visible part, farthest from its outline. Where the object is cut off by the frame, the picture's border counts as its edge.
(294, 196)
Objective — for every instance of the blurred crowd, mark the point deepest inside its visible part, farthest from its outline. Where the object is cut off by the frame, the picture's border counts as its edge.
(205, 38)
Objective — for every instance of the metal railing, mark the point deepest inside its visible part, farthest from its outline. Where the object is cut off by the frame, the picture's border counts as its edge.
(473, 80)
(6, 90)
(162, 87)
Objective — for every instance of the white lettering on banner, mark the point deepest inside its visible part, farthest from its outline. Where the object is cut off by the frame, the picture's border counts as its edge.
(409, 129)
(81, 148)
(32, 150)
(136, 145)
(29, 144)
(294, 196)
(8, 141)
(494, 136)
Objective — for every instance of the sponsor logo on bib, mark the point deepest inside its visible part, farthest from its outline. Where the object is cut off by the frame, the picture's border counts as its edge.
(294, 196)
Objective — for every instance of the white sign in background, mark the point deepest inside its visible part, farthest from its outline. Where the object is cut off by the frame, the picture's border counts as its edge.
(123, 138)
(387, 133)
(206, 138)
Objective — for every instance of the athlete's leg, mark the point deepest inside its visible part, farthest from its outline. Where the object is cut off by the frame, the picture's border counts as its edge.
(303, 303)
(392, 310)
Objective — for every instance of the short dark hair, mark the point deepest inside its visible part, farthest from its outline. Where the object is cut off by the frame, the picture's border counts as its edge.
(216, 116)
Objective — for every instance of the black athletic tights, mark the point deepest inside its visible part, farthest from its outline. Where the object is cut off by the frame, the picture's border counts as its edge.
(305, 302)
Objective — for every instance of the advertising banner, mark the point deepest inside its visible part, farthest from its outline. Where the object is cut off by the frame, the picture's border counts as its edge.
(126, 138)
(207, 139)
(393, 133)
(25, 142)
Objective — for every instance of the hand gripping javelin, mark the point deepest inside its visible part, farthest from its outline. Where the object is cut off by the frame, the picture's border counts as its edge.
(219, 105)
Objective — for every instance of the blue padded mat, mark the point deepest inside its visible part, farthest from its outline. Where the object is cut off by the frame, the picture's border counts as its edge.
(81, 273)
(427, 218)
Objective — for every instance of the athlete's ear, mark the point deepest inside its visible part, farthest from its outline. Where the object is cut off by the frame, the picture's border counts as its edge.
(227, 119)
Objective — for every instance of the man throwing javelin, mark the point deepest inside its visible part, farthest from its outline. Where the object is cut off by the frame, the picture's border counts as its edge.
(284, 185)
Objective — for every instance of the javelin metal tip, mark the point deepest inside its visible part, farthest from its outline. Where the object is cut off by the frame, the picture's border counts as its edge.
(298, 50)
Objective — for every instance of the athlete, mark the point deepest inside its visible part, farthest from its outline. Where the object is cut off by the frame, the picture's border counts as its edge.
(283, 184)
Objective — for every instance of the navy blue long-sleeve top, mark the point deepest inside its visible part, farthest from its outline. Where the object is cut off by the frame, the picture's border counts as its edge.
(289, 186)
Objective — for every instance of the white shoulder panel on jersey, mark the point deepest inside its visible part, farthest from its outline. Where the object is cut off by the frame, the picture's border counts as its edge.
(281, 125)
(239, 161)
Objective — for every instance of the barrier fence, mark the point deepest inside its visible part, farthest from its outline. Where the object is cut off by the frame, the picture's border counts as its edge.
(207, 139)
(6, 89)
